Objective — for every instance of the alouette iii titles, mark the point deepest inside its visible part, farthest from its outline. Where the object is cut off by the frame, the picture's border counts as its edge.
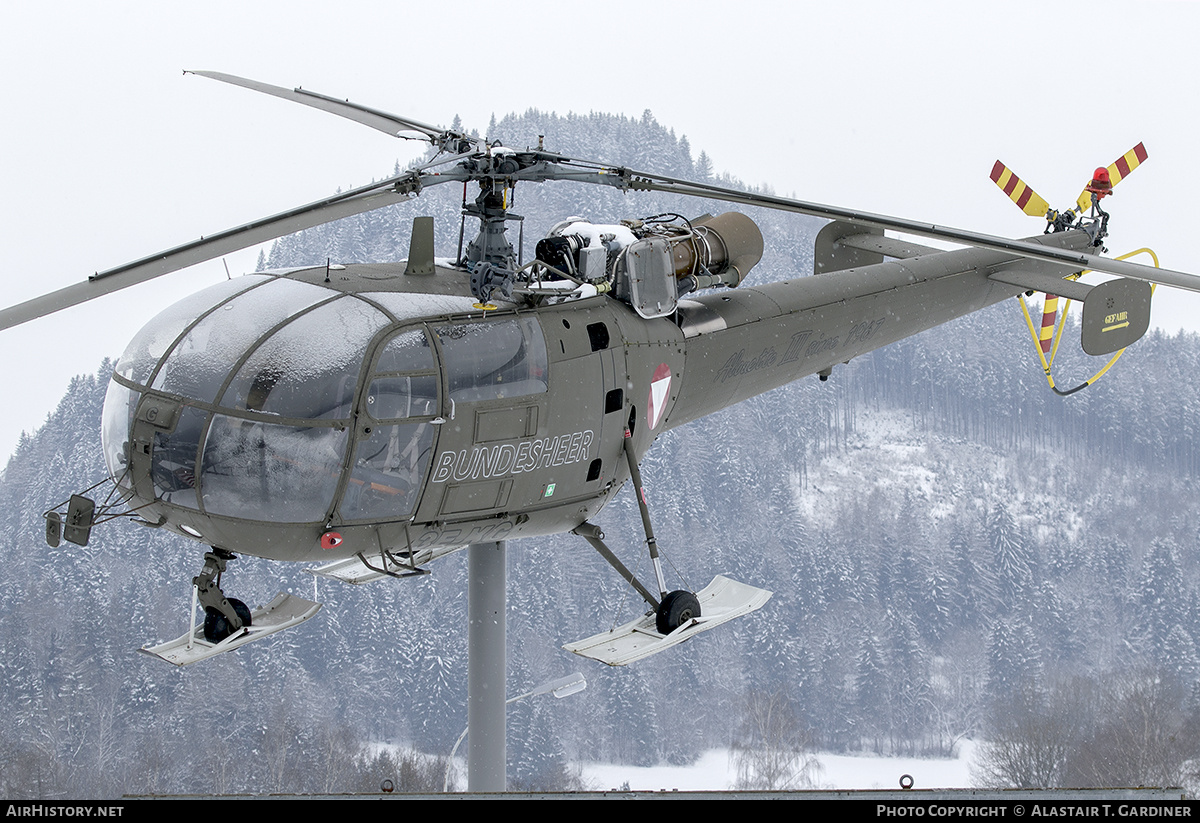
(374, 418)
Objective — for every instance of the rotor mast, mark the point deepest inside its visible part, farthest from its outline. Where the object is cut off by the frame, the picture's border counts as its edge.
(491, 245)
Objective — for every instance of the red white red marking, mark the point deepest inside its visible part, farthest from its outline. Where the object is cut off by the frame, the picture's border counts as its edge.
(660, 392)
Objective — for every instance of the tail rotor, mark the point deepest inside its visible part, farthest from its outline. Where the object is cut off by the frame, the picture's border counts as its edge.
(1121, 309)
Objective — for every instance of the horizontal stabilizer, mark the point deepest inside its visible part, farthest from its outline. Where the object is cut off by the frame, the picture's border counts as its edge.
(1048, 283)
(842, 245)
(281, 613)
(720, 601)
(887, 246)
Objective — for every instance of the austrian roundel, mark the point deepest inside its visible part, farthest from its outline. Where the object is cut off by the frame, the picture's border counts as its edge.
(660, 391)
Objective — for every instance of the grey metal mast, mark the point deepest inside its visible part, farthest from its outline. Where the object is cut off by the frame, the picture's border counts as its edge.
(486, 667)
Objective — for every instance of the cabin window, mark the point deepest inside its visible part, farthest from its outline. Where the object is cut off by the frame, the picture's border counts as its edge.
(199, 364)
(494, 359)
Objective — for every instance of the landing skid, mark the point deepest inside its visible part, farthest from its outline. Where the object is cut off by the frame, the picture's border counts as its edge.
(720, 601)
(283, 612)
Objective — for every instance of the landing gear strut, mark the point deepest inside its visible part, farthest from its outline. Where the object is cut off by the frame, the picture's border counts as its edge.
(674, 617)
(222, 616)
(671, 609)
(677, 608)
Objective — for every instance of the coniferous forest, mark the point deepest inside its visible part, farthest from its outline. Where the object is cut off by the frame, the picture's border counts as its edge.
(956, 553)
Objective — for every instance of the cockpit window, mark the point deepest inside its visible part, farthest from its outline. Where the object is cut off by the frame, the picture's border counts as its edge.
(407, 351)
(494, 359)
(266, 381)
(120, 403)
(199, 364)
(389, 398)
(309, 368)
(173, 463)
(263, 471)
(268, 374)
(151, 343)
(389, 468)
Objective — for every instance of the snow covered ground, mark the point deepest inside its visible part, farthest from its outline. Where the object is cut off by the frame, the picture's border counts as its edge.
(715, 771)
(938, 471)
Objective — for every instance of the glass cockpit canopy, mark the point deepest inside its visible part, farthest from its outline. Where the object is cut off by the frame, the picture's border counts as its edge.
(265, 370)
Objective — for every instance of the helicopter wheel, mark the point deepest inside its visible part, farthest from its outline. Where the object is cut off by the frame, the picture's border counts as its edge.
(216, 625)
(676, 609)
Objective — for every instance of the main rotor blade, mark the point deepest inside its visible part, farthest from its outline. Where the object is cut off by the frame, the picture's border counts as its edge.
(1021, 248)
(345, 204)
(381, 120)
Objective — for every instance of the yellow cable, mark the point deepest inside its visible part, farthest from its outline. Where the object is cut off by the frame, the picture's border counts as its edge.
(1036, 343)
(1062, 320)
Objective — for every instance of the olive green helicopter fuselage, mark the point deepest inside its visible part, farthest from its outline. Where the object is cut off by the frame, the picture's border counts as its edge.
(438, 424)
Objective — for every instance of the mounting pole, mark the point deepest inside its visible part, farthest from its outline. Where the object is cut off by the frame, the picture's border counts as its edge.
(486, 666)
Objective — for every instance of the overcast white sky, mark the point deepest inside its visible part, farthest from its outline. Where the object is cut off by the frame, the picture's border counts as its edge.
(109, 153)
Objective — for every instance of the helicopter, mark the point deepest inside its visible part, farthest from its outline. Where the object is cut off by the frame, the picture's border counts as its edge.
(377, 417)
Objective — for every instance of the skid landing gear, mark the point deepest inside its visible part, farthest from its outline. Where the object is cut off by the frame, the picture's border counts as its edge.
(722, 600)
(222, 617)
(228, 622)
(674, 616)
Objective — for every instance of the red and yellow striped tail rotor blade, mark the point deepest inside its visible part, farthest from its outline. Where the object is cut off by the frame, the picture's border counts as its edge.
(1018, 191)
(1117, 172)
(1126, 163)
